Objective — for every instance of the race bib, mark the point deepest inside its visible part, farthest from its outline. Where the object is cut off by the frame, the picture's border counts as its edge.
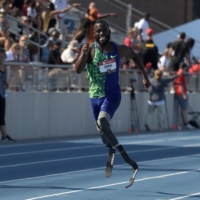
(108, 66)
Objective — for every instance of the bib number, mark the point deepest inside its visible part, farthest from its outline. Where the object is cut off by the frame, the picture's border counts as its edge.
(108, 66)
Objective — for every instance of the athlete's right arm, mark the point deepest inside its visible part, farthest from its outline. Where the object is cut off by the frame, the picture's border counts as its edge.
(83, 58)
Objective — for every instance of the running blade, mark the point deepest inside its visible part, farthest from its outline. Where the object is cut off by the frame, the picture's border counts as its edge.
(132, 178)
(110, 162)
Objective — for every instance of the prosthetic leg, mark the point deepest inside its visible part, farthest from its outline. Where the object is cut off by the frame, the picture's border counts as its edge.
(104, 127)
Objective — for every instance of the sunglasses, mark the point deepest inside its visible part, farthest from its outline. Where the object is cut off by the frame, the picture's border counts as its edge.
(17, 48)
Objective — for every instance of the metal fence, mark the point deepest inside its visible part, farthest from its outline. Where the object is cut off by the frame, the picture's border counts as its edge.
(48, 78)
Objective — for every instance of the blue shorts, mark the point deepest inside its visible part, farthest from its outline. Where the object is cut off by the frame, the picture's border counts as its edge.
(107, 104)
(182, 102)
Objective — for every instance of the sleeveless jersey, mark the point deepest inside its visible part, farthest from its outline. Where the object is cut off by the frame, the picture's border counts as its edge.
(103, 83)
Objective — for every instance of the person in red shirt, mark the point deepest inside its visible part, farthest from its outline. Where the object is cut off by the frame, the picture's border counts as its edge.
(181, 94)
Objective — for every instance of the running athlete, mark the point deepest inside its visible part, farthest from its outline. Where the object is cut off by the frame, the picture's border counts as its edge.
(103, 62)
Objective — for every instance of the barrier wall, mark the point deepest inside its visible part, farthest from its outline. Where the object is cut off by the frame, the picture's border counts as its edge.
(32, 115)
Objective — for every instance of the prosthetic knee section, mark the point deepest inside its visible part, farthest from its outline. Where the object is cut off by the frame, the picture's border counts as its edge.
(104, 127)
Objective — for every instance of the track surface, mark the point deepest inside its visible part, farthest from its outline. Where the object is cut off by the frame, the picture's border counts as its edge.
(61, 169)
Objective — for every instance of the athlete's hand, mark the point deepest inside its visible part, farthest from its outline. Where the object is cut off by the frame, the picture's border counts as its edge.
(146, 82)
(85, 49)
(76, 4)
(113, 14)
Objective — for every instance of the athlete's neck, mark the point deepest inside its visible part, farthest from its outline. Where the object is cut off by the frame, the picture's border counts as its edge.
(105, 47)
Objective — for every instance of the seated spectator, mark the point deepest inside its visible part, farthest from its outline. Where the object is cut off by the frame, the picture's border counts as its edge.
(25, 55)
(54, 35)
(13, 55)
(46, 51)
(55, 55)
(70, 55)
(163, 62)
(5, 40)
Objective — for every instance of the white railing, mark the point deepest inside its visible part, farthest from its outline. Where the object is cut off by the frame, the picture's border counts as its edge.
(46, 78)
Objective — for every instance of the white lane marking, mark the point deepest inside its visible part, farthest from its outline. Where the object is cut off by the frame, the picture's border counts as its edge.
(183, 197)
(125, 143)
(82, 157)
(50, 150)
(94, 169)
(184, 138)
(114, 184)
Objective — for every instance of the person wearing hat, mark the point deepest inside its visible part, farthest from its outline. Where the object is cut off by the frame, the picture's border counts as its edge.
(178, 51)
(149, 51)
(157, 99)
(71, 54)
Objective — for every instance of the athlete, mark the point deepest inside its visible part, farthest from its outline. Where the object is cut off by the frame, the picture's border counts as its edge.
(103, 62)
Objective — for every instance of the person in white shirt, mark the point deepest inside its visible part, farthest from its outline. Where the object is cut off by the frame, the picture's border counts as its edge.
(71, 54)
(164, 61)
(143, 25)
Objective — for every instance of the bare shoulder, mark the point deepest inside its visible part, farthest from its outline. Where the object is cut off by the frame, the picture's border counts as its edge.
(125, 51)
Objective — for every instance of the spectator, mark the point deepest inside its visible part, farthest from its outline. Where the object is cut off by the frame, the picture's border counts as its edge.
(25, 55)
(54, 35)
(71, 54)
(149, 51)
(50, 21)
(13, 55)
(164, 61)
(3, 85)
(178, 51)
(55, 55)
(5, 40)
(46, 51)
(157, 99)
(6, 10)
(50, 13)
(181, 94)
(82, 32)
(27, 7)
(143, 25)
(190, 43)
(18, 4)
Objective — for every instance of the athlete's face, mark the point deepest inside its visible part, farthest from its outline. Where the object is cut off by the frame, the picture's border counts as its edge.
(102, 33)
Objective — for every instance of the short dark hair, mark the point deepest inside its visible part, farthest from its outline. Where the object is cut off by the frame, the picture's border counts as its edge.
(101, 21)
(190, 42)
(182, 35)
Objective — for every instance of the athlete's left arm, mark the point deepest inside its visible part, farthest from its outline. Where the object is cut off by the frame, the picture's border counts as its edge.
(128, 52)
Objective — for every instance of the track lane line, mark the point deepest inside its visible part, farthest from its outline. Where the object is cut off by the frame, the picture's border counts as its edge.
(183, 197)
(114, 184)
(82, 157)
(94, 169)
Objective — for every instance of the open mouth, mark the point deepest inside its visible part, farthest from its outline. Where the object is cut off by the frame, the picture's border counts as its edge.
(102, 39)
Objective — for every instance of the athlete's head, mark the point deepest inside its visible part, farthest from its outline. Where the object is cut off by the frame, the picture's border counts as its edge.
(102, 32)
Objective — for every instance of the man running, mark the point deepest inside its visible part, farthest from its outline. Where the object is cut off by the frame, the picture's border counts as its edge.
(103, 62)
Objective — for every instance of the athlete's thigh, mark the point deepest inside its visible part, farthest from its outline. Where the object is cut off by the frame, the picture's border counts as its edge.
(96, 106)
(111, 104)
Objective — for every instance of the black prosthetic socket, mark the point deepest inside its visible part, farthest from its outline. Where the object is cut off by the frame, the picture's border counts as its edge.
(105, 128)
(126, 157)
